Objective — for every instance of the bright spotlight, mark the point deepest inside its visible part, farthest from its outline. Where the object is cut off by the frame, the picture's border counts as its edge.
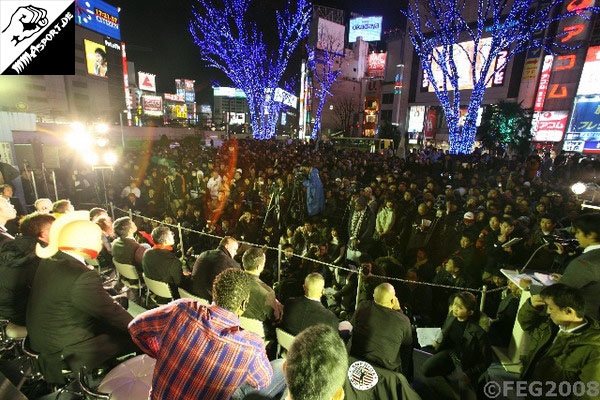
(101, 141)
(79, 140)
(578, 188)
(92, 158)
(78, 127)
(101, 128)
(110, 158)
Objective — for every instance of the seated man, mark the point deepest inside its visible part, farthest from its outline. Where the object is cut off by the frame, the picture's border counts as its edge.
(71, 320)
(43, 205)
(203, 348)
(303, 312)
(211, 263)
(382, 333)
(96, 213)
(316, 365)
(160, 263)
(125, 249)
(18, 264)
(565, 344)
(263, 305)
(61, 207)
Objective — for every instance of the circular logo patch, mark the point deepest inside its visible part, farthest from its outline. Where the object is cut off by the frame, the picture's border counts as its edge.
(362, 375)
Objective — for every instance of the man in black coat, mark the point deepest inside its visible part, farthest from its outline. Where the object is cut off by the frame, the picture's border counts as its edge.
(211, 263)
(303, 312)
(18, 264)
(382, 333)
(160, 263)
(71, 320)
(125, 249)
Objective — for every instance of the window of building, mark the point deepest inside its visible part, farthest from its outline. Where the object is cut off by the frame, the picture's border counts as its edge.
(386, 115)
(388, 98)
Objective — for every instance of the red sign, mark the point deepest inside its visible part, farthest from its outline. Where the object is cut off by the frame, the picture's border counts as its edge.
(430, 123)
(543, 87)
(549, 126)
(174, 97)
(501, 62)
(376, 65)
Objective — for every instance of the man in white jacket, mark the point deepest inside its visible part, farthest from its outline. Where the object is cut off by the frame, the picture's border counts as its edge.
(214, 184)
(386, 217)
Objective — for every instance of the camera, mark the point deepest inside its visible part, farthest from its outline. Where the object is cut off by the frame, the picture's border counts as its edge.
(440, 203)
(568, 244)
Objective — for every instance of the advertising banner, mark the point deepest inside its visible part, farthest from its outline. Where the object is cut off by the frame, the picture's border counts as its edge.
(147, 81)
(549, 126)
(499, 68)
(222, 91)
(530, 69)
(589, 83)
(430, 123)
(181, 111)
(152, 105)
(98, 16)
(190, 93)
(174, 97)
(543, 86)
(95, 58)
(592, 147)
(368, 28)
(376, 65)
(416, 118)
(586, 117)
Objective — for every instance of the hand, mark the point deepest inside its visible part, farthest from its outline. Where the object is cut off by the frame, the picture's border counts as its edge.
(25, 22)
(559, 248)
(507, 249)
(555, 277)
(525, 283)
(537, 301)
(501, 238)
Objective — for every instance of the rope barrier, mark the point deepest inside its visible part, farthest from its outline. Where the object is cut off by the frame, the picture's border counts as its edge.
(312, 259)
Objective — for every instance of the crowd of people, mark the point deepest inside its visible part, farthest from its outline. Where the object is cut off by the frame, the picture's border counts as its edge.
(373, 246)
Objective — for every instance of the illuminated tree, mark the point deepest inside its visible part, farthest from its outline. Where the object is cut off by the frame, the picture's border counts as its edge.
(505, 126)
(438, 27)
(229, 41)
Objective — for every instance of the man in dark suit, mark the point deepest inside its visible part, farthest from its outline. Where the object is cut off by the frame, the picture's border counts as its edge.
(382, 333)
(71, 320)
(7, 213)
(160, 263)
(303, 312)
(211, 263)
(124, 248)
(584, 271)
(263, 304)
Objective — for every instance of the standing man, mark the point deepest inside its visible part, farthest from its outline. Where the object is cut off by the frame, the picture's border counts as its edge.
(211, 263)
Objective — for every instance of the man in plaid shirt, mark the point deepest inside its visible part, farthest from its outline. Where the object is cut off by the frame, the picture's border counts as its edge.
(201, 352)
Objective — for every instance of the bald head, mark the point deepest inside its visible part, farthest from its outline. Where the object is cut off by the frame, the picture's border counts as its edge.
(384, 295)
(314, 284)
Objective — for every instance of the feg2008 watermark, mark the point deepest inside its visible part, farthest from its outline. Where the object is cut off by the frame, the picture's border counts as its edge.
(564, 389)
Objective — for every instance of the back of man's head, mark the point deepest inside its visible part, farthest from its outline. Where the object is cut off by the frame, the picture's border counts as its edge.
(96, 213)
(253, 259)
(231, 288)
(61, 206)
(316, 365)
(121, 227)
(32, 225)
(314, 285)
(383, 294)
(160, 234)
(588, 224)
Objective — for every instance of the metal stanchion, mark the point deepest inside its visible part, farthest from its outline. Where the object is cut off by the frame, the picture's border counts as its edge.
(483, 296)
(112, 210)
(34, 185)
(278, 262)
(130, 214)
(55, 187)
(181, 241)
(360, 278)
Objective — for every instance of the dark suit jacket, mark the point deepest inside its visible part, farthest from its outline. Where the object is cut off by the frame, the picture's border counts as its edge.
(261, 305)
(128, 251)
(300, 313)
(382, 336)
(584, 273)
(162, 265)
(71, 318)
(5, 237)
(206, 268)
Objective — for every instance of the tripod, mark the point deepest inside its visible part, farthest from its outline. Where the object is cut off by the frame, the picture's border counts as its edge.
(297, 207)
(272, 207)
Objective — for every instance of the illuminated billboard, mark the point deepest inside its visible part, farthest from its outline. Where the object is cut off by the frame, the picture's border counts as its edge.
(462, 53)
(549, 126)
(376, 65)
(586, 117)
(95, 58)
(589, 83)
(416, 118)
(222, 91)
(174, 97)
(98, 16)
(368, 28)
(147, 81)
(185, 88)
(152, 105)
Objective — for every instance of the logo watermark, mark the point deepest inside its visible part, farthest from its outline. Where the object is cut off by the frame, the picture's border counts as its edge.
(494, 390)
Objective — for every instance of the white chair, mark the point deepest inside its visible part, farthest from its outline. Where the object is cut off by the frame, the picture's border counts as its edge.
(129, 272)
(253, 325)
(284, 340)
(184, 294)
(157, 288)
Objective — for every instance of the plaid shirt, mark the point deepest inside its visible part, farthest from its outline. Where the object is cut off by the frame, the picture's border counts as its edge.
(201, 352)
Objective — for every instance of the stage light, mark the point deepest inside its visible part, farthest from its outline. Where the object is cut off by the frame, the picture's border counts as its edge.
(110, 158)
(101, 128)
(92, 158)
(101, 141)
(80, 140)
(579, 188)
(77, 127)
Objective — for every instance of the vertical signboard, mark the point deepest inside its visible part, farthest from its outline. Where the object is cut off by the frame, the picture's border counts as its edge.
(376, 65)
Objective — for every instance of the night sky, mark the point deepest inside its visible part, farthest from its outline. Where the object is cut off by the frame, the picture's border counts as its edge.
(158, 41)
